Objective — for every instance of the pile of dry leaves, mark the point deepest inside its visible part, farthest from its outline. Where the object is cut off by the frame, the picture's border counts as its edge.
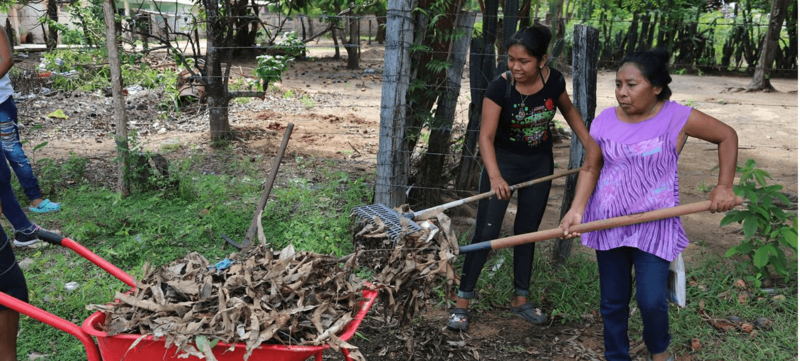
(282, 297)
(286, 297)
(407, 270)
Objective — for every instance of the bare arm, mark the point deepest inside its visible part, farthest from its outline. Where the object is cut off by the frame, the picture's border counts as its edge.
(590, 171)
(490, 118)
(708, 128)
(6, 57)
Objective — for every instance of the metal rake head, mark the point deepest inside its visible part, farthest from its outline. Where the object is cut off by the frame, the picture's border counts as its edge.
(389, 217)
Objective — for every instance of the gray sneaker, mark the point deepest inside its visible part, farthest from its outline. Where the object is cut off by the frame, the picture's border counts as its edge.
(26, 239)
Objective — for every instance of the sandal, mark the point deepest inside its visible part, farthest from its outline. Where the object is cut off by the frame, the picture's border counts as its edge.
(530, 313)
(670, 358)
(45, 206)
(457, 321)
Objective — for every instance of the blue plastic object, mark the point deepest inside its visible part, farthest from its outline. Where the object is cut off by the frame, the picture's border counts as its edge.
(221, 265)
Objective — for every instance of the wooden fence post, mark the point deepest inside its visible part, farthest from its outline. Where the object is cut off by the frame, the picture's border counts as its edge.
(586, 42)
(117, 101)
(390, 186)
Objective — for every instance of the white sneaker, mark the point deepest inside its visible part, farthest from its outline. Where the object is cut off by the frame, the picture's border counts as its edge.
(25, 244)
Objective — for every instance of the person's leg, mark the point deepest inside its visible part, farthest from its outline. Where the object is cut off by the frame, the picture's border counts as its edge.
(12, 149)
(531, 204)
(12, 282)
(614, 268)
(11, 208)
(651, 295)
(9, 326)
(488, 222)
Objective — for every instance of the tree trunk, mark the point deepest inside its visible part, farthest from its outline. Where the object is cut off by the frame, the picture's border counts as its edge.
(770, 47)
(633, 31)
(509, 24)
(482, 63)
(216, 91)
(336, 54)
(380, 33)
(52, 33)
(525, 14)
(353, 44)
(432, 167)
(584, 83)
(118, 102)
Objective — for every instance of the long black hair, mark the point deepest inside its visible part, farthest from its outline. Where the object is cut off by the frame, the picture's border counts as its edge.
(653, 65)
(534, 39)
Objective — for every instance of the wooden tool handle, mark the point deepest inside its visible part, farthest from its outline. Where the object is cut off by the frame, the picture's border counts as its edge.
(432, 212)
(592, 226)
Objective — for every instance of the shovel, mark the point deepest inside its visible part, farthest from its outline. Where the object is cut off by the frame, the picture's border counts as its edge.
(256, 221)
(592, 226)
(396, 223)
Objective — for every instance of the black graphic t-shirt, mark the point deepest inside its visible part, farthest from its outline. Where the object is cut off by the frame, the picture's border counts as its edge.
(524, 128)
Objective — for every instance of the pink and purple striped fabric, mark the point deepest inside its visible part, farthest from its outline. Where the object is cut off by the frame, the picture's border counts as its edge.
(640, 173)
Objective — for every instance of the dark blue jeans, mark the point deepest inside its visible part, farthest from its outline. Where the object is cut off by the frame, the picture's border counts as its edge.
(615, 295)
(12, 149)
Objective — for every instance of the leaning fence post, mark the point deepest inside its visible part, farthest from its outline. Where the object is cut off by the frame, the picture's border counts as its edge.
(390, 186)
(586, 42)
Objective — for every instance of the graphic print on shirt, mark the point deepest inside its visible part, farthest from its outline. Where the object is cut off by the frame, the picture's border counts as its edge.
(531, 126)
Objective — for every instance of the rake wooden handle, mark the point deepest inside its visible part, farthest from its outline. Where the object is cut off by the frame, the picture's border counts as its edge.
(592, 226)
(432, 212)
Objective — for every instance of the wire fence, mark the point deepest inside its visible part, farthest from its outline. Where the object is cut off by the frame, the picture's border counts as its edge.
(391, 78)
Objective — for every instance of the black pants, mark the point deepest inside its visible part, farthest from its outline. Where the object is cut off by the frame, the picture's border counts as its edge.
(12, 281)
(531, 203)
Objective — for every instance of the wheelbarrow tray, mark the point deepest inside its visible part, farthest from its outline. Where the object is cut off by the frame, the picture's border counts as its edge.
(118, 347)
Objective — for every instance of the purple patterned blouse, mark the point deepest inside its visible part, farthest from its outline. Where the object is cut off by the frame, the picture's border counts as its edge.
(639, 174)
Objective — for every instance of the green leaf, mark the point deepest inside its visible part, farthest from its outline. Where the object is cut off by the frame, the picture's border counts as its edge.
(39, 146)
(752, 196)
(759, 210)
(745, 247)
(731, 251)
(761, 257)
(790, 236)
(735, 216)
(58, 114)
(783, 198)
(750, 226)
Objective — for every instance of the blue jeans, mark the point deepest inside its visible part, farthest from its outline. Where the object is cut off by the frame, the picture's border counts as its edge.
(12, 149)
(652, 272)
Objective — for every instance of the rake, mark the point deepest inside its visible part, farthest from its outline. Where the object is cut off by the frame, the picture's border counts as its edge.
(398, 225)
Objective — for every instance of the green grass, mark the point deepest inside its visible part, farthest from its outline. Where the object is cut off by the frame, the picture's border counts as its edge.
(161, 226)
(309, 208)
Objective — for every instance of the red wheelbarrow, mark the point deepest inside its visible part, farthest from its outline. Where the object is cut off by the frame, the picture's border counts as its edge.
(118, 348)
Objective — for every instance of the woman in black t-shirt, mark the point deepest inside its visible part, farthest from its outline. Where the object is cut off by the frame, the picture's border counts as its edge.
(516, 146)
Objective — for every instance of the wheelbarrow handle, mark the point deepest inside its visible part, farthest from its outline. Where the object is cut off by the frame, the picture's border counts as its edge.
(591, 226)
(59, 240)
(92, 352)
(431, 212)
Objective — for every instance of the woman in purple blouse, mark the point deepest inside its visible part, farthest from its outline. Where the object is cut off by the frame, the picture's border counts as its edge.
(638, 172)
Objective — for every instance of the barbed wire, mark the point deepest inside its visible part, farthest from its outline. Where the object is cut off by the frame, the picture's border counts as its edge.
(761, 21)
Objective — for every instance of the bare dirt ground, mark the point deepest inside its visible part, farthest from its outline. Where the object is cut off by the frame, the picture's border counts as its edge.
(341, 121)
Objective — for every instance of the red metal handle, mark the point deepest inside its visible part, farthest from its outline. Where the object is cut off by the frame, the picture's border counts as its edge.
(99, 261)
(92, 353)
